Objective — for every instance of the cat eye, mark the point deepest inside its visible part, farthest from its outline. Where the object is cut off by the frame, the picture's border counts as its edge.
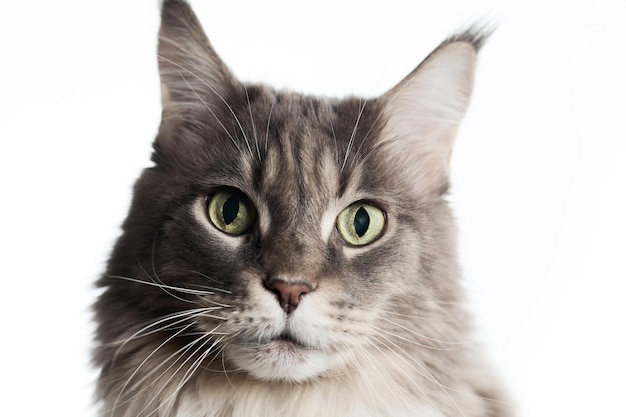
(360, 223)
(231, 212)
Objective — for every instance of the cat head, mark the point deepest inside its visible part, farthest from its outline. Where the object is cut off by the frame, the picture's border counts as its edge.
(278, 235)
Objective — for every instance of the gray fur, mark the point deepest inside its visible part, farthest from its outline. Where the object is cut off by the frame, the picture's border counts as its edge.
(186, 323)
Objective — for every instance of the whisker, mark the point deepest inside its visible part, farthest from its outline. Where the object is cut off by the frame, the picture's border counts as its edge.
(267, 129)
(209, 290)
(221, 352)
(211, 279)
(413, 342)
(179, 354)
(256, 140)
(156, 274)
(424, 371)
(164, 286)
(420, 335)
(230, 109)
(430, 377)
(171, 377)
(232, 139)
(172, 359)
(410, 316)
(332, 129)
(353, 135)
(146, 359)
(186, 315)
(403, 371)
(358, 150)
(363, 353)
(191, 371)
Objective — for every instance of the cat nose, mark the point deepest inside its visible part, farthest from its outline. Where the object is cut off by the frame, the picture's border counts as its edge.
(289, 293)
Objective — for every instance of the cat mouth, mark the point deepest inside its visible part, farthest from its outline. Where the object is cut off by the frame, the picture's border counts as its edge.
(287, 339)
(285, 342)
(280, 357)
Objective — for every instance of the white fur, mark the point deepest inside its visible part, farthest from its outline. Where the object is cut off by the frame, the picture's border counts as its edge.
(343, 397)
(327, 223)
(424, 111)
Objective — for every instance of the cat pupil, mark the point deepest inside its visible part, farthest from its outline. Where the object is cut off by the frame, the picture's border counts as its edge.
(361, 221)
(230, 209)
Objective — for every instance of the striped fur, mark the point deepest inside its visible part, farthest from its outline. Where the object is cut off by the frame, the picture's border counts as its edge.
(187, 324)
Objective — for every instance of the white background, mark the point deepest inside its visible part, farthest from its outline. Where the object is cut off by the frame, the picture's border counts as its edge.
(538, 171)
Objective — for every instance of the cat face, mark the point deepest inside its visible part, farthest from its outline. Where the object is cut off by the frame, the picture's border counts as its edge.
(282, 236)
(292, 281)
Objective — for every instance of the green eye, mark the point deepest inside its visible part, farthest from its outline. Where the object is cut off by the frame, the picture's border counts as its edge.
(360, 223)
(231, 212)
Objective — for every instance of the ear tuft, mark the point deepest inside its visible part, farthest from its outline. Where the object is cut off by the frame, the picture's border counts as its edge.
(476, 35)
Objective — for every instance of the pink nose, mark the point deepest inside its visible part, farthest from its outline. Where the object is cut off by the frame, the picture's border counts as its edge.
(289, 294)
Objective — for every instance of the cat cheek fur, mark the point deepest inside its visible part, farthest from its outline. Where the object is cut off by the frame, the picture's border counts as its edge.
(190, 321)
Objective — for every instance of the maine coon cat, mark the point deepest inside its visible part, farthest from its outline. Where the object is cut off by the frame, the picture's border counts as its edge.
(289, 255)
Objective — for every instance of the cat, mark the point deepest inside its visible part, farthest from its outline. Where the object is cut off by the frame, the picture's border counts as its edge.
(291, 255)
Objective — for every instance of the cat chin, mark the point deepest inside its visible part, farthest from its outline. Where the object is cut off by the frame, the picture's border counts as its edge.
(283, 360)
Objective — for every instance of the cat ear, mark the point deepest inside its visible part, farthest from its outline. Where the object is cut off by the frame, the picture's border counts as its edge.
(422, 113)
(191, 72)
